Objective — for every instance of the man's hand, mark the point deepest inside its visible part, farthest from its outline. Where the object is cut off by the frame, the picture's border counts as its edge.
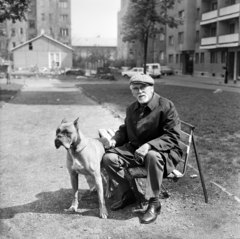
(110, 143)
(141, 152)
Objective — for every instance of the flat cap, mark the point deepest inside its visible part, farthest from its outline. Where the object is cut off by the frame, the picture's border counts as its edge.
(141, 78)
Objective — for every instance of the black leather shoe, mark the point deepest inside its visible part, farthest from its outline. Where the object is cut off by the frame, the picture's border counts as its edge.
(128, 198)
(151, 214)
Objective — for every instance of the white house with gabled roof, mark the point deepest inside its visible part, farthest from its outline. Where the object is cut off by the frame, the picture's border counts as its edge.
(42, 52)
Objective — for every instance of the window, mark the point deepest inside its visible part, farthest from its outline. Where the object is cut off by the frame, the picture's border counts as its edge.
(54, 60)
(197, 58)
(30, 47)
(31, 23)
(223, 56)
(51, 31)
(171, 41)
(181, 60)
(43, 16)
(13, 32)
(50, 16)
(202, 58)
(161, 36)
(63, 17)
(198, 13)
(213, 57)
(177, 58)
(21, 31)
(232, 2)
(170, 59)
(180, 37)
(64, 32)
(161, 55)
(197, 36)
(232, 28)
(213, 30)
(63, 4)
(13, 44)
(214, 6)
(181, 14)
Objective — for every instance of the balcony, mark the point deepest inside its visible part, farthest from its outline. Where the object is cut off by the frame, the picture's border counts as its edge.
(209, 41)
(231, 38)
(233, 9)
(209, 17)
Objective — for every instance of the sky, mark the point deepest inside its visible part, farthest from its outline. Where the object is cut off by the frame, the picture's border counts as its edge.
(93, 18)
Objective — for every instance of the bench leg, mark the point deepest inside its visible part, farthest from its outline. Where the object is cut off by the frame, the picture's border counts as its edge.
(200, 171)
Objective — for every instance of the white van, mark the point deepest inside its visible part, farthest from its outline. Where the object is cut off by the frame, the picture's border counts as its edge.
(154, 69)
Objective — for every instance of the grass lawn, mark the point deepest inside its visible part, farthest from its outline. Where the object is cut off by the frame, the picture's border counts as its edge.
(8, 91)
(216, 117)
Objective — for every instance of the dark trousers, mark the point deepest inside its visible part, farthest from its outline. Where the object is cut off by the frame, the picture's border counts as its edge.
(153, 162)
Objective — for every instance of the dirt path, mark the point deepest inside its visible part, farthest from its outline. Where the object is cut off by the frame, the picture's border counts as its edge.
(35, 187)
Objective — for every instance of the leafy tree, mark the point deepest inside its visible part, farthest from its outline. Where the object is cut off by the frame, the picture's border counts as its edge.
(13, 10)
(142, 21)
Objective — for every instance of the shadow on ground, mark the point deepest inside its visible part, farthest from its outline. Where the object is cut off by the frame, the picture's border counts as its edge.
(56, 202)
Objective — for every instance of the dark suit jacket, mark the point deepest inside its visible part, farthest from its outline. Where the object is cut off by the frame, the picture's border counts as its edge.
(158, 125)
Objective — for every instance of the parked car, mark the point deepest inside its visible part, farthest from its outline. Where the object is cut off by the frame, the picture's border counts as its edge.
(77, 72)
(154, 69)
(166, 70)
(133, 71)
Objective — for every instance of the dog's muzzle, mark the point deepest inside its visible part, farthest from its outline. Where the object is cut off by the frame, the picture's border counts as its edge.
(58, 143)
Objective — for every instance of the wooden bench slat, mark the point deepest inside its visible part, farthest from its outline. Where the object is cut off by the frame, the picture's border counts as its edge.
(185, 148)
(104, 134)
(111, 132)
(185, 136)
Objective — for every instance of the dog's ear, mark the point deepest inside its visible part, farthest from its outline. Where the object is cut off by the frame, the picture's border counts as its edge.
(64, 121)
(75, 123)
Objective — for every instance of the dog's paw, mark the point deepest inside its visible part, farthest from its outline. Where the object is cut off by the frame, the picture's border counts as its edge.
(103, 213)
(71, 209)
(109, 194)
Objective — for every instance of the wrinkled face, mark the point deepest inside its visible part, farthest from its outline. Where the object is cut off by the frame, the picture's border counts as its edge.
(143, 93)
(66, 134)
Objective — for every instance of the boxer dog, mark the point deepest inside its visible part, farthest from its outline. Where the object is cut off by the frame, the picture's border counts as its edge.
(84, 156)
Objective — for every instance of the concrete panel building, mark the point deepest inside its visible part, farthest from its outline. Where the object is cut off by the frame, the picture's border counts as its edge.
(207, 41)
(220, 37)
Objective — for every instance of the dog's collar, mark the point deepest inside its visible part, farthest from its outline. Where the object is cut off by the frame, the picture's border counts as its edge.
(81, 149)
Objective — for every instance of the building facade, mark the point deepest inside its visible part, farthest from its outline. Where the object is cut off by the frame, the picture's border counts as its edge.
(94, 51)
(51, 17)
(206, 42)
(220, 37)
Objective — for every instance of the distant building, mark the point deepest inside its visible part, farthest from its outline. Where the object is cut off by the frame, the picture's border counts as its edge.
(208, 40)
(51, 17)
(104, 50)
(42, 52)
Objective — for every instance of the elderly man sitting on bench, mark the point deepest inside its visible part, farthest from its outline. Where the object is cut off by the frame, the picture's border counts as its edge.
(149, 137)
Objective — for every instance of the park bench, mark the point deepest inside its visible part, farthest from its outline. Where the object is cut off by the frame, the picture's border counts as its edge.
(187, 140)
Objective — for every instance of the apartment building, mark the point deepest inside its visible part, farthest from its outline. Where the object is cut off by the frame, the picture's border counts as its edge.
(51, 17)
(207, 41)
(124, 49)
(220, 37)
